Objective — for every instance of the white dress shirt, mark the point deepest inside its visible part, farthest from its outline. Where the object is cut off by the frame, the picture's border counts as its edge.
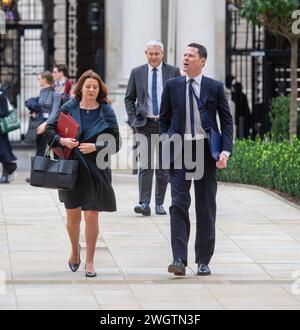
(199, 132)
(159, 89)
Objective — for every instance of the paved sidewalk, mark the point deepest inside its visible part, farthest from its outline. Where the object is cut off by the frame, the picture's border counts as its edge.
(258, 249)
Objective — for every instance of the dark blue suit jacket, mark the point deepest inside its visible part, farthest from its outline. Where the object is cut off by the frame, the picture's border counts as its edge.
(173, 108)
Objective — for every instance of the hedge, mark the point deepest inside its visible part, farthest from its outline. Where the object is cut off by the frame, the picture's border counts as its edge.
(280, 118)
(268, 164)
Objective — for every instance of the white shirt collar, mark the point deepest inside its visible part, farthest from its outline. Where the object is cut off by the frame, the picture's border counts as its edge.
(198, 79)
(158, 68)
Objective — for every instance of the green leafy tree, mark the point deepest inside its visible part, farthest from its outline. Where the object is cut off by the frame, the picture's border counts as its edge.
(276, 16)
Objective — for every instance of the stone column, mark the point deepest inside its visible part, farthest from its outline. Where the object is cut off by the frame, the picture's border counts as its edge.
(220, 40)
(60, 54)
(142, 23)
(113, 42)
(130, 25)
(196, 23)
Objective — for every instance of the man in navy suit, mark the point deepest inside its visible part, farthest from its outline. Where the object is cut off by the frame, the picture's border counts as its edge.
(179, 115)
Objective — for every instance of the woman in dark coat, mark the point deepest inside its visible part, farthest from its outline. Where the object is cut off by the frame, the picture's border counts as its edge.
(7, 158)
(93, 192)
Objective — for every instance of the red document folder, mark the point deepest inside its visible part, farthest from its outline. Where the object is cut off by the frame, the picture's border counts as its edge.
(67, 127)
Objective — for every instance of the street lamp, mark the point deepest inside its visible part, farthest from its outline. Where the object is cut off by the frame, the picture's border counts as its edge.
(6, 2)
(10, 9)
(95, 22)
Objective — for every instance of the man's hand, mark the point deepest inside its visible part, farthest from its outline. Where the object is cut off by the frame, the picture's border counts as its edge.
(40, 130)
(87, 148)
(222, 162)
(69, 143)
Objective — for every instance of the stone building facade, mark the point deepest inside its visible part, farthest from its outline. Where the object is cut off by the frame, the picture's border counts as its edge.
(129, 24)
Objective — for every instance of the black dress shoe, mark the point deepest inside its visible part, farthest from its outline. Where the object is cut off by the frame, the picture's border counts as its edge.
(177, 267)
(138, 209)
(143, 209)
(89, 274)
(75, 267)
(203, 270)
(159, 210)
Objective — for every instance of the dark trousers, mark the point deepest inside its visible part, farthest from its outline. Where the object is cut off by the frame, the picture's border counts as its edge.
(146, 174)
(8, 168)
(40, 146)
(205, 204)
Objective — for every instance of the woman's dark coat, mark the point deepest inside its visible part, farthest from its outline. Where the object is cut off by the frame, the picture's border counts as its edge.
(93, 190)
(6, 154)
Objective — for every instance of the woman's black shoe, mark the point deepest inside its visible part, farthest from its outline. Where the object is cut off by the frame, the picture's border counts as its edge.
(74, 267)
(4, 179)
(89, 274)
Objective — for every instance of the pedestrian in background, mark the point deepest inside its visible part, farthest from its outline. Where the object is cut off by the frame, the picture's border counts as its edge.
(49, 101)
(44, 109)
(142, 100)
(62, 83)
(7, 158)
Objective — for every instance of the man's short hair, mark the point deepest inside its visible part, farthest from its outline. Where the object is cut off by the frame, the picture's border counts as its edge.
(202, 51)
(62, 68)
(154, 43)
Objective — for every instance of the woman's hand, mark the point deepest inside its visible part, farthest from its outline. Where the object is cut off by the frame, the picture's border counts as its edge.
(87, 148)
(69, 143)
(40, 130)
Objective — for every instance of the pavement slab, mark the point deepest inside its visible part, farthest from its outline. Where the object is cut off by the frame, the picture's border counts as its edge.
(256, 264)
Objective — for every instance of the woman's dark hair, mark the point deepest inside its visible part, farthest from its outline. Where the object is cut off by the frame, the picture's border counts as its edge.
(202, 51)
(62, 68)
(47, 75)
(103, 91)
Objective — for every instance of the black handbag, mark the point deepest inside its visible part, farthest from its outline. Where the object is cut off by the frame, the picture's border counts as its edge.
(214, 137)
(50, 173)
